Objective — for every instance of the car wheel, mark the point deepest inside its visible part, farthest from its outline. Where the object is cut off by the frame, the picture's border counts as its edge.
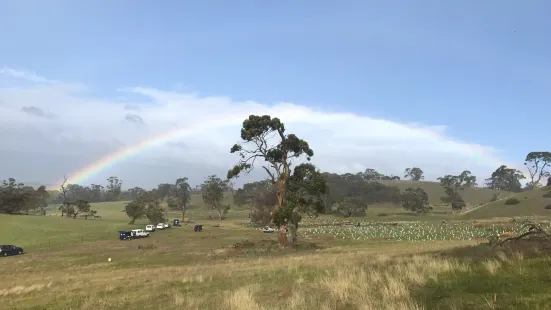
(4, 254)
(20, 252)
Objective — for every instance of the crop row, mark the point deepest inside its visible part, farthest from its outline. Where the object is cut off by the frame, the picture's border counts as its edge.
(412, 231)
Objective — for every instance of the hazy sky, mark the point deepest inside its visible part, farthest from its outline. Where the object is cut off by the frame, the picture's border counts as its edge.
(441, 85)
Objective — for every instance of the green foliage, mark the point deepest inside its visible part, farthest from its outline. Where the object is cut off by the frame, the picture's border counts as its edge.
(261, 197)
(350, 206)
(465, 179)
(358, 185)
(154, 212)
(451, 185)
(135, 192)
(81, 207)
(507, 179)
(135, 210)
(16, 197)
(306, 188)
(414, 174)
(547, 195)
(537, 164)
(512, 201)
(181, 192)
(114, 186)
(256, 135)
(256, 131)
(171, 203)
(146, 205)
(212, 192)
(416, 200)
(164, 190)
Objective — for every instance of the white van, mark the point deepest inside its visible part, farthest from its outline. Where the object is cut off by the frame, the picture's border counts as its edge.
(150, 228)
(139, 233)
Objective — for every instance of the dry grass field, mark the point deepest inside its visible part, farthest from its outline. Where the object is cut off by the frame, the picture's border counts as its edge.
(234, 266)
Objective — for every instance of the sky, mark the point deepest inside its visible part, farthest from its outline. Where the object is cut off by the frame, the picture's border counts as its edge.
(441, 85)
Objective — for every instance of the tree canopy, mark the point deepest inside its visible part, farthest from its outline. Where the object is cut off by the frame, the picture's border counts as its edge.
(414, 174)
(505, 178)
(416, 200)
(537, 164)
(212, 191)
(258, 134)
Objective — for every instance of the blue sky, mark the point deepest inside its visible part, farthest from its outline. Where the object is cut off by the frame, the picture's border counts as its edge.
(481, 68)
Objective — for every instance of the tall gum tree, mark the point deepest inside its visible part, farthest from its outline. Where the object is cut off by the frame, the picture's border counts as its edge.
(305, 196)
(537, 164)
(258, 134)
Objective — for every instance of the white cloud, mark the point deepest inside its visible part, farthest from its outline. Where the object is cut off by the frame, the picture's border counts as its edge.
(81, 129)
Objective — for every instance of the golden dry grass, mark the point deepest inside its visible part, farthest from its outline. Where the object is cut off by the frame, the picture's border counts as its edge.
(334, 278)
(181, 269)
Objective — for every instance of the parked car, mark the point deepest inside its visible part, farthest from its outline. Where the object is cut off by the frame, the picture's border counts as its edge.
(139, 233)
(125, 235)
(268, 229)
(166, 225)
(160, 226)
(150, 228)
(6, 250)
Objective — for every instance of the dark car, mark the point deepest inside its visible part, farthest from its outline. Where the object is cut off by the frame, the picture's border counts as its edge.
(6, 250)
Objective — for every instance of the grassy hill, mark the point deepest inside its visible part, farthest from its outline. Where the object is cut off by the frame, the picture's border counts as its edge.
(81, 264)
(472, 196)
(531, 203)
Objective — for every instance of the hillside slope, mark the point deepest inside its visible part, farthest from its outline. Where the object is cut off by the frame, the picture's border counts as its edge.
(531, 203)
(472, 196)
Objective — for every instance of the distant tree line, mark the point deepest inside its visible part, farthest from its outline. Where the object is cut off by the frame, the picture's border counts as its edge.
(347, 194)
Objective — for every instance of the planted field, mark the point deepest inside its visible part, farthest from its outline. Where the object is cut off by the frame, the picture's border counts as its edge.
(408, 231)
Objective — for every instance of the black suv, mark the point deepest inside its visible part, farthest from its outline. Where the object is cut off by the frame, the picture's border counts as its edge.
(6, 250)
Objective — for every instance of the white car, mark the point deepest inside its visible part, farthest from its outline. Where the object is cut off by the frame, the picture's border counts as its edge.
(160, 226)
(150, 228)
(139, 233)
(166, 225)
(268, 229)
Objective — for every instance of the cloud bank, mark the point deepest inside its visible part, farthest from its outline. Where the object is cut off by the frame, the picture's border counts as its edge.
(51, 128)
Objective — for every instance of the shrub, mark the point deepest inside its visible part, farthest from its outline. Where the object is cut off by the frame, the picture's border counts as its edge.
(512, 201)
(548, 207)
(547, 195)
(382, 214)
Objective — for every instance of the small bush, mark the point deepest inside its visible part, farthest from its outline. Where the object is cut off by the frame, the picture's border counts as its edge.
(547, 195)
(512, 201)
(548, 207)
(382, 214)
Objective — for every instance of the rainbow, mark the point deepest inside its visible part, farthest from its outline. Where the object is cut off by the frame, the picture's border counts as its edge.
(86, 172)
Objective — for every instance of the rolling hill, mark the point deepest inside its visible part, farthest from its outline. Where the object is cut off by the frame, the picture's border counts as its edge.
(473, 196)
(531, 203)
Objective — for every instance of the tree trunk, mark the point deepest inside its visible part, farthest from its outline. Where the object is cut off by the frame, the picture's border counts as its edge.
(280, 191)
(220, 214)
(293, 234)
(283, 237)
(184, 214)
(132, 222)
